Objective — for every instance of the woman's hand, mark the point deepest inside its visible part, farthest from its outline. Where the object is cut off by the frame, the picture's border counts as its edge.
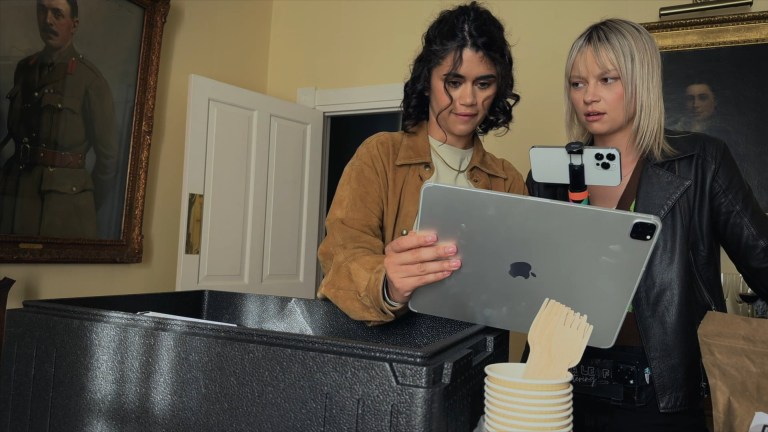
(416, 260)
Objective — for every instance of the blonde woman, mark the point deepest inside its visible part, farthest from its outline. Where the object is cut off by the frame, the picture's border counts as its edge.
(613, 85)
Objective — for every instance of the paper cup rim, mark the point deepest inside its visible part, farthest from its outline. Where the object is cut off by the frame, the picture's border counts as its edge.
(504, 425)
(513, 372)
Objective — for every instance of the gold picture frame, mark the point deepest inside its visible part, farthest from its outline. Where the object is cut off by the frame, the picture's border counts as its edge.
(714, 82)
(123, 38)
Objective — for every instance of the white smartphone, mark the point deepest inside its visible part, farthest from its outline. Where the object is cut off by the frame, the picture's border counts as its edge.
(602, 165)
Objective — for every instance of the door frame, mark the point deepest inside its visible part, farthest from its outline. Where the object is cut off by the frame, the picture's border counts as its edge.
(352, 100)
(344, 101)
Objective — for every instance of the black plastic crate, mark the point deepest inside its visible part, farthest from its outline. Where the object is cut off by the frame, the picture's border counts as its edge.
(96, 364)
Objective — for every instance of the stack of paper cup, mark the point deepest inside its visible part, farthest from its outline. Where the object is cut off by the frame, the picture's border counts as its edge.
(513, 403)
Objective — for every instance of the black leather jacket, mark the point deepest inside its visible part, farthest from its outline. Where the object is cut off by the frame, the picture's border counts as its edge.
(703, 203)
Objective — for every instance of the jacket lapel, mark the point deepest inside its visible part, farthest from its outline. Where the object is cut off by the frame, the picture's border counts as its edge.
(660, 187)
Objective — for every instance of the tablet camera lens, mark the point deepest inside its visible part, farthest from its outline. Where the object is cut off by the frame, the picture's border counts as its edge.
(611, 157)
(643, 231)
(605, 165)
(598, 156)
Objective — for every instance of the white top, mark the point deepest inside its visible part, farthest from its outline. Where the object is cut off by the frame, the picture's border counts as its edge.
(447, 169)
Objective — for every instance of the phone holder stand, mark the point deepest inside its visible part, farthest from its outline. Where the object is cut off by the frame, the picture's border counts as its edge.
(577, 186)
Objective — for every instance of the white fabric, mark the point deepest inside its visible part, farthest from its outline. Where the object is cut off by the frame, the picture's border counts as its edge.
(456, 157)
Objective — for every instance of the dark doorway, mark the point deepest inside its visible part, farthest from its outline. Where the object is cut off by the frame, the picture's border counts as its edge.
(346, 133)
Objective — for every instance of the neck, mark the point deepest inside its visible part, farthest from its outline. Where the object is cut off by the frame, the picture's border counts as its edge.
(460, 142)
(54, 54)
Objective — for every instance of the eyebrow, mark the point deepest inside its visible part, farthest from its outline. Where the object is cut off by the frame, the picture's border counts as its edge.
(601, 72)
(480, 78)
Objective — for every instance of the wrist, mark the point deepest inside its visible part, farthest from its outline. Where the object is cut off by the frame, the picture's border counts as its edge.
(387, 299)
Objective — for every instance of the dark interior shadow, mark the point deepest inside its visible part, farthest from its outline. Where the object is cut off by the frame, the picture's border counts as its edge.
(5, 287)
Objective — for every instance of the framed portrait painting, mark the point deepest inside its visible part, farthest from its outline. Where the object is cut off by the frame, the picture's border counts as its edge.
(79, 80)
(715, 71)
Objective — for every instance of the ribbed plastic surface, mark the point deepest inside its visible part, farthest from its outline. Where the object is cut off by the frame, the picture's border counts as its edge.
(94, 364)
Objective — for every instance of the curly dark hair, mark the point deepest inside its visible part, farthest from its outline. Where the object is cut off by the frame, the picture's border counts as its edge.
(467, 26)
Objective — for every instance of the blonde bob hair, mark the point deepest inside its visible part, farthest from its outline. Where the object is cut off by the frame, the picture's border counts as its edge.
(631, 50)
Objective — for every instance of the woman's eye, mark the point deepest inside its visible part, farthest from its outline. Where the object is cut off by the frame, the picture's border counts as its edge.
(453, 84)
(576, 84)
(610, 80)
(483, 85)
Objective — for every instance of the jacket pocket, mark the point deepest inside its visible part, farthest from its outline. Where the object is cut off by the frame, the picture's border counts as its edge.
(58, 101)
(66, 181)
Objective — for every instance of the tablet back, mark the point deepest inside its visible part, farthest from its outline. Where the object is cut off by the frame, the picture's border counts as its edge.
(517, 250)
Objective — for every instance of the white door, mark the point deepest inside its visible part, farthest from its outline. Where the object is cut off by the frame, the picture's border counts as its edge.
(252, 169)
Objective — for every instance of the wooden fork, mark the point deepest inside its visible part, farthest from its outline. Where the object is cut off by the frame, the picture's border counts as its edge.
(557, 341)
(543, 325)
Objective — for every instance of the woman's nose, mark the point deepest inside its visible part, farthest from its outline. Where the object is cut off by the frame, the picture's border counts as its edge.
(467, 95)
(590, 95)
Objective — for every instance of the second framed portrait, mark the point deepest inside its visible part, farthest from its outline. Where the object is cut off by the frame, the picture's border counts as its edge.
(715, 71)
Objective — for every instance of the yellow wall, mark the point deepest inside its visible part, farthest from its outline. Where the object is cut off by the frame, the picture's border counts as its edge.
(329, 44)
(278, 46)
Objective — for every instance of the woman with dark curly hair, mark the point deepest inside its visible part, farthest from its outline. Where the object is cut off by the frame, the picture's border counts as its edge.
(460, 88)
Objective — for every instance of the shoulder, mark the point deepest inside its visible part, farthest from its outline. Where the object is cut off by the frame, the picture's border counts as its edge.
(509, 170)
(495, 165)
(697, 155)
(87, 65)
(382, 146)
(85, 68)
(27, 62)
(30, 59)
(382, 142)
(695, 143)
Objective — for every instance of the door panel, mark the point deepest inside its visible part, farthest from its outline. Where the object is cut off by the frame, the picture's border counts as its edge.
(256, 160)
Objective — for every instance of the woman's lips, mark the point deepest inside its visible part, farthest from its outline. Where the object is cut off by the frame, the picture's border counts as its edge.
(593, 116)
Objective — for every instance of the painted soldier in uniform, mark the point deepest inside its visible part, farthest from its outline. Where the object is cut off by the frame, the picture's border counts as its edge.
(60, 108)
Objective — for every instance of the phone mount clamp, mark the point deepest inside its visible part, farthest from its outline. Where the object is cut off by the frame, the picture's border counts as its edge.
(577, 186)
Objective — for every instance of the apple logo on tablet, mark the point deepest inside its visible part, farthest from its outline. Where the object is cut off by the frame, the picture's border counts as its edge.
(522, 269)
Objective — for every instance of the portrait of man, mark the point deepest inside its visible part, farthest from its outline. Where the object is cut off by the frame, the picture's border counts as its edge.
(720, 92)
(60, 108)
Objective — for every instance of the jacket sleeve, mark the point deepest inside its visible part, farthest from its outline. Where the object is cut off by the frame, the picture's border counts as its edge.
(101, 132)
(741, 224)
(352, 253)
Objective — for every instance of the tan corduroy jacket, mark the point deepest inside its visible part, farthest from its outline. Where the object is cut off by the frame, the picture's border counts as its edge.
(376, 200)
